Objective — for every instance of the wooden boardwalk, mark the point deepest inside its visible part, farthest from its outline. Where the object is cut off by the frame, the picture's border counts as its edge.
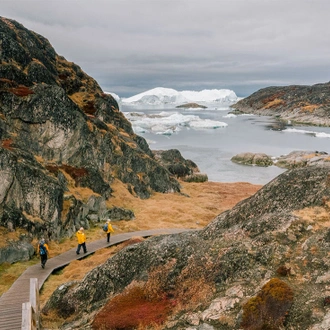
(12, 300)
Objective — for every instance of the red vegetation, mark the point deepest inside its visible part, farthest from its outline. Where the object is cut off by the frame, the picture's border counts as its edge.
(326, 301)
(74, 172)
(89, 108)
(63, 76)
(133, 309)
(52, 169)
(283, 271)
(268, 309)
(21, 91)
(7, 144)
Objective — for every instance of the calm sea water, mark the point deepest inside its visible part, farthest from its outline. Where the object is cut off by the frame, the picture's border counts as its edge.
(212, 149)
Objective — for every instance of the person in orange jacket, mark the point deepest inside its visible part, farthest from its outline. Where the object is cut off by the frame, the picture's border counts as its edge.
(81, 240)
(109, 231)
(43, 251)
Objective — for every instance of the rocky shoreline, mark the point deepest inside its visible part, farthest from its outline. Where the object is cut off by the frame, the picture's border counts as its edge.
(308, 105)
(293, 160)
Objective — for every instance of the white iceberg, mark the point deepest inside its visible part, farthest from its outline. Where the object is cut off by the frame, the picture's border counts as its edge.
(168, 123)
(301, 131)
(161, 96)
(229, 115)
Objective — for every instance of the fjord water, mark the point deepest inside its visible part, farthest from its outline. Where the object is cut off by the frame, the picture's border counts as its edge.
(212, 148)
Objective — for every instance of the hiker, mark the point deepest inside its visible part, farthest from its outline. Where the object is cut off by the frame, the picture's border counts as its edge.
(43, 251)
(108, 228)
(81, 240)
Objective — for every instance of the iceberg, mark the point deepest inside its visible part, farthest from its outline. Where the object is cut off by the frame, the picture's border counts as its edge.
(301, 131)
(161, 96)
(168, 123)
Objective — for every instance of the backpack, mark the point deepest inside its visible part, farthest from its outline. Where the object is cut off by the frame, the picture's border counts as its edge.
(42, 249)
(105, 227)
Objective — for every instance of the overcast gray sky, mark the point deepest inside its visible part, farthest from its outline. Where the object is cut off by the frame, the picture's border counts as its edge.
(130, 46)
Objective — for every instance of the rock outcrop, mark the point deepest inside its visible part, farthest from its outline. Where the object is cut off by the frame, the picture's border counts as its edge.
(61, 138)
(250, 158)
(182, 168)
(294, 159)
(269, 253)
(302, 158)
(301, 104)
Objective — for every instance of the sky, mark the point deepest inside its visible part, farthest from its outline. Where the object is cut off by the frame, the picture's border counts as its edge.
(131, 46)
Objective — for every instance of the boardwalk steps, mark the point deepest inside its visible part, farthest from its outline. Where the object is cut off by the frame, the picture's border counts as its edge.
(12, 300)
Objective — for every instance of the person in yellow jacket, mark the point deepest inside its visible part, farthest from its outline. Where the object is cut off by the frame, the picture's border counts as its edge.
(109, 231)
(81, 240)
(43, 251)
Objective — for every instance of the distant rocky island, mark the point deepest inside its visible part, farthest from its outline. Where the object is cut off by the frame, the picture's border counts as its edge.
(191, 106)
(309, 105)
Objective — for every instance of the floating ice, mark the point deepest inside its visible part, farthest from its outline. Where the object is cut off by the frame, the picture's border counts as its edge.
(168, 123)
(206, 123)
(301, 131)
(229, 115)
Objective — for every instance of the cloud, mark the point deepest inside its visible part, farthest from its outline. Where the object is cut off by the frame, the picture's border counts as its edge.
(132, 46)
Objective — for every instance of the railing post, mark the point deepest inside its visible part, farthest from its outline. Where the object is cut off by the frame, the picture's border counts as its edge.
(26, 316)
(34, 299)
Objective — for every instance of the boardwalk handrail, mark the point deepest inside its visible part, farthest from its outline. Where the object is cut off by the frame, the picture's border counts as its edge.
(31, 309)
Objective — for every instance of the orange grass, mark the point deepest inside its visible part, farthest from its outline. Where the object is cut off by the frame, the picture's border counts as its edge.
(274, 103)
(318, 216)
(206, 200)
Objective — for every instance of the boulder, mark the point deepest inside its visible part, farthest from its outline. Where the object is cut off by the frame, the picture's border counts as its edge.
(302, 158)
(249, 158)
(175, 163)
(16, 251)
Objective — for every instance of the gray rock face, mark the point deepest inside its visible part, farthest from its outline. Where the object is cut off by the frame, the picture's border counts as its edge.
(16, 251)
(229, 261)
(58, 133)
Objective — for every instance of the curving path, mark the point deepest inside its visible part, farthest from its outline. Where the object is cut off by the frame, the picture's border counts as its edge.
(12, 300)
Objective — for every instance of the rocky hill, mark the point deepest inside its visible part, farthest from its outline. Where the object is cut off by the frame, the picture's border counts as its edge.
(261, 265)
(62, 144)
(300, 104)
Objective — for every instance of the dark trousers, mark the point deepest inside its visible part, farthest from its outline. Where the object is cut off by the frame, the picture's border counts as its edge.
(43, 259)
(83, 245)
(108, 237)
